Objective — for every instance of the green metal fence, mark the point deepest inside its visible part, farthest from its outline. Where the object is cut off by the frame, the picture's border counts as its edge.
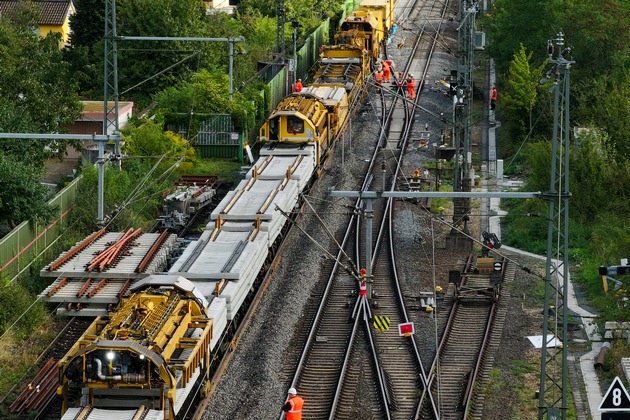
(30, 240)
(213, 135)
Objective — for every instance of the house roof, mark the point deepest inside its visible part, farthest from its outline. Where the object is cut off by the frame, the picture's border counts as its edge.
(52, 12)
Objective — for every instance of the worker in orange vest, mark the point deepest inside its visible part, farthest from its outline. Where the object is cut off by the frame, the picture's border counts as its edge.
(378, 77)
(399, 82)
(411, 86)
(386, 71)
(298, 85)
(293, 405)
(493, 97)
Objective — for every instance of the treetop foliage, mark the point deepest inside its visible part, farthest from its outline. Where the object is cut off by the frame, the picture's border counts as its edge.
(597, 31)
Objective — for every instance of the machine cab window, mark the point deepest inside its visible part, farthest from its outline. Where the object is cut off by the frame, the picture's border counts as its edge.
(274, 128)
(295, 125)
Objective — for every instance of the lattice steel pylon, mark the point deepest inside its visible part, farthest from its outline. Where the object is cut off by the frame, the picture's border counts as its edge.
(281, 16)
(552, 399)
(110, 72)
(462, 115)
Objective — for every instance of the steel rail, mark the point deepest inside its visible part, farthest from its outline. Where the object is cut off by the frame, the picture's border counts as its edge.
(389, 203)
(449, 321)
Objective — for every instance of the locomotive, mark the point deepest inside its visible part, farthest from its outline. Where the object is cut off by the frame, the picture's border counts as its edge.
(152, 355)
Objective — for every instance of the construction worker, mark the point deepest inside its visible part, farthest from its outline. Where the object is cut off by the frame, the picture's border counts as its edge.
(386, 71)
(293, 405)
(378, 77)
(390, 63)
(411, 86)
(493, 97)
(298, 85)
(399, 82)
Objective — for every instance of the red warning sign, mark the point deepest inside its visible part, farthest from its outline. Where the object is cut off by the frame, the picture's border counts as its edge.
(406, 329)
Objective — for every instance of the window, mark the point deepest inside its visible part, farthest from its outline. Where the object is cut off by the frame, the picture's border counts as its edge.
(295, 125)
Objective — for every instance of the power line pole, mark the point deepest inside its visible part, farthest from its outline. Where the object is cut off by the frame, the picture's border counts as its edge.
(552, 398)
(110, 73)
(462, 108)
(281, 20)
(110, 84)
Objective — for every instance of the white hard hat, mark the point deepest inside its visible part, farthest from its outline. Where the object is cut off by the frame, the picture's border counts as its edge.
(292, 391)
(410, 75)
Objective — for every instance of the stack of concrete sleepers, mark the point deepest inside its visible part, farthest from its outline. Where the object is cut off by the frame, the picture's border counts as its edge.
(259, 198)
(276, 167)
(230, 256)
(217, 311)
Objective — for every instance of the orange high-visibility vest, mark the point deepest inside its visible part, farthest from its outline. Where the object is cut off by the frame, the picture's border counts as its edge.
(295, 413)
(386, 71)
(493, 94)
(411, 86)
(379, 78)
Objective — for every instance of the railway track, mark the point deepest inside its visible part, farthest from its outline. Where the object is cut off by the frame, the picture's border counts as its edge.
(328, 370)
(38, 396)
(475, 314)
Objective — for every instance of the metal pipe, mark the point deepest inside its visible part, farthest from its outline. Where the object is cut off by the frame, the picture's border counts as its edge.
(599, 360)
(99, 372)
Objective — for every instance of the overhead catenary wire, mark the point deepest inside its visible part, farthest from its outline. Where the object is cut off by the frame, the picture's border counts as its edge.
(327, 230)
(350, 270)
(161, 72)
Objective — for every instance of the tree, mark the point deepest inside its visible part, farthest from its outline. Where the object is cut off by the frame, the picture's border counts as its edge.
(599, 31)
(37, 94)
(603, 102)
(527, 22)
(150, 143)
(523, 83)
(208, 93)
(85, 54)
(87, 23)
(145, 66)
(592, 173)
(22, 197)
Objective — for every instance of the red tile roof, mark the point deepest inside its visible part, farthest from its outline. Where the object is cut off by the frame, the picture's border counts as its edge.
(52, 12)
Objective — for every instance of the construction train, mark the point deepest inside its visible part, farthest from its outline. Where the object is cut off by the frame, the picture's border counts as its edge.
(153, 354)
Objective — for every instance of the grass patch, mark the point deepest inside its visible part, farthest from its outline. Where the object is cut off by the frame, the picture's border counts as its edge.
(225, 169)
(445, 203)
(14, 369)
